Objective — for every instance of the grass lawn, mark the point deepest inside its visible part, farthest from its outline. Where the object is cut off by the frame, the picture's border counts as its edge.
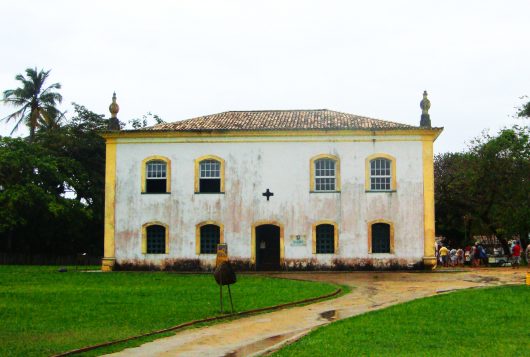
(43, 312)
(482, 322)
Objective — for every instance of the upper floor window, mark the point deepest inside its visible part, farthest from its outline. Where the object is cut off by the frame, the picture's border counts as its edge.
(210, 179)
(209, 175)
(156, 173)
(156, 176)
(380, 173)
(325, 174)
(155, 238)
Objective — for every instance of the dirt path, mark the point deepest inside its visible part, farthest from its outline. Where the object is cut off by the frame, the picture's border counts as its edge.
(372, 290)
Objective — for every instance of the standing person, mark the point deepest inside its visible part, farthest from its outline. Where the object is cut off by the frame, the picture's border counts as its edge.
(483, 255)
(444, 254)
(475, 255)
(460, 257)
(516, 255)
(452, 256)
(528, 254)
(468, 255)
(436, 252)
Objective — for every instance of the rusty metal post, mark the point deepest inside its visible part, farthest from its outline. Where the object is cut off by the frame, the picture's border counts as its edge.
(221, 294)
(221, 297)
(230, 294)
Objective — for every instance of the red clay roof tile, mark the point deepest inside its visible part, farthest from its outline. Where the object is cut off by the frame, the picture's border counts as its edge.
(321, 119)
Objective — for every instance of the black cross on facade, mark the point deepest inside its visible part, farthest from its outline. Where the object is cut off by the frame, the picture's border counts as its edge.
(267, 194)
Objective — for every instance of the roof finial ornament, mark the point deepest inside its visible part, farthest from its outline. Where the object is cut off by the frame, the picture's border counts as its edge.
(425, 104)
(114, 108)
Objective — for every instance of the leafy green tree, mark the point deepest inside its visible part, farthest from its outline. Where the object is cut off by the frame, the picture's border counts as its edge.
(502, 176)
(33, 207)
(451, 196)
(486, 190)
(524, 110)
(36, 104)
(139, 123)
(78, 139)
(52, 190)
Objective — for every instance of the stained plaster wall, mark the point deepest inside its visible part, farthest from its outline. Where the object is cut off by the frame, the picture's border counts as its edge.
(283, 167)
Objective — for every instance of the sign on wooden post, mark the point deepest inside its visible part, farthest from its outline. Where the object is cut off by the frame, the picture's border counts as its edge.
(222, 254)
(223, 273)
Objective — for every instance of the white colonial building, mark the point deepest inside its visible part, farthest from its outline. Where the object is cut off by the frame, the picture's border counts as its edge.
(285, 189)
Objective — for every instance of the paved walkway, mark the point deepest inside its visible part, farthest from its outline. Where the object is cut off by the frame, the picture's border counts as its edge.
(372, 290)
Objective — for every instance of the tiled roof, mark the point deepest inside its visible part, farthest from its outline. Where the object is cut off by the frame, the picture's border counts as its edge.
(321, 119)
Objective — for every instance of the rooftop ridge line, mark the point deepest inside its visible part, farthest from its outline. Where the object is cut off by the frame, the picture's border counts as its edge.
(280, 119)
(275, 110)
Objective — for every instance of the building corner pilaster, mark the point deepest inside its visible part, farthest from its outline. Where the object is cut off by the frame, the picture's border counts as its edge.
(109, 254)
(429, 259)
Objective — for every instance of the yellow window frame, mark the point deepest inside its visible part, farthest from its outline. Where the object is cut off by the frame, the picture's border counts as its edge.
(391, 224)
(393, 172)
(144, 235)
(312, 171)
(197, 171)
(198, 234)
(168, 171)
(335, 235)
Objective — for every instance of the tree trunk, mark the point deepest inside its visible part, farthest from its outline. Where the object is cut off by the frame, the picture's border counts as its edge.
(31, 134)
(505, 246)
(10, 242)
(524, 242)
(33, 121)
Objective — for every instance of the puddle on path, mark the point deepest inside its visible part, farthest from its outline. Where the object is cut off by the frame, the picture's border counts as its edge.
(482, 279)
(259, 345)
(443, 291)
(371, 291)
(330, 315)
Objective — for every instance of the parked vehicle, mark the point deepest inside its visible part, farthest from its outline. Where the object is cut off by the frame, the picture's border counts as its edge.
(499, 260)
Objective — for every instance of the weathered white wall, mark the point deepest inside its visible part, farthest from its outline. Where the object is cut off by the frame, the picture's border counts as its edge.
(282, 166)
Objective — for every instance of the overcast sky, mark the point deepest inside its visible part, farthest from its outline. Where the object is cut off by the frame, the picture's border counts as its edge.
(181, 59)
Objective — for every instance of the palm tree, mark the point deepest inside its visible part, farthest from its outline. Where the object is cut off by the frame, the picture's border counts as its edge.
(36, 106)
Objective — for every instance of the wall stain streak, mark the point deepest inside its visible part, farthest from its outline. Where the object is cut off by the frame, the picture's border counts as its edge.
(243, 264)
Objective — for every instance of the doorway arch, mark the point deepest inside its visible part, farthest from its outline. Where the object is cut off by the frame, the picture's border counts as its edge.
(267, 245)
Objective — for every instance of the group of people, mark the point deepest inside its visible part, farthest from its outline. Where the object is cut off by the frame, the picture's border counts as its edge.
(453, 257)
(476, 254)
